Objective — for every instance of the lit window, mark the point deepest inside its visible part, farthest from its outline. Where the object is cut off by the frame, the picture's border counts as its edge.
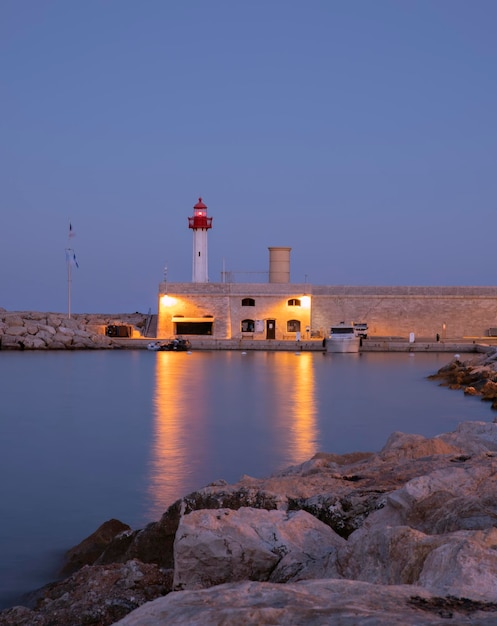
(248, 326)
(293, 326)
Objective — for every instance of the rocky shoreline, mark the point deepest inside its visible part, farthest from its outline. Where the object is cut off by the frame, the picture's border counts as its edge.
(405, 536)
(476, 377)
(31, 330)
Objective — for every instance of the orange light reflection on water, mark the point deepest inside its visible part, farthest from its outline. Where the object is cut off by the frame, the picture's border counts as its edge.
(176, 404)
(296, 382)
(280, 414)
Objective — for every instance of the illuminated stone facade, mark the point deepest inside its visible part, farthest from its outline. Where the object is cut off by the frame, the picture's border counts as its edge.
(238, 310)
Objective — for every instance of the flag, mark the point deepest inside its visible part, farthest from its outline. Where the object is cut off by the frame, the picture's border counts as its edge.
(71, 232)
(71, 258)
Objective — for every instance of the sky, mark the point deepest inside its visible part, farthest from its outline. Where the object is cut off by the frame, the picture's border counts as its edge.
(360, 133)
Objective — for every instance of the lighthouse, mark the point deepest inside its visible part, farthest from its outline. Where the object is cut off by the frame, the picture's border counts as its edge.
(200, 224)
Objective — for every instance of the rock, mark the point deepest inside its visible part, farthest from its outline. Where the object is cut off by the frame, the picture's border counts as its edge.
(472, 438)
(154, 544)
(54, 331)
(16, 330)
(37, 316)
(46, 329)
(97, 595)
(57, 345)
(475, 377)
(217, 546)
(101, 341)
(65, 330)
(463, 565)
(11, 342)
(62, 338)
(13, 320)
(45, 336)
(84, 334)
(400, 446)
(313, 603)
(34, 343)
(88, 551)
(54, 320)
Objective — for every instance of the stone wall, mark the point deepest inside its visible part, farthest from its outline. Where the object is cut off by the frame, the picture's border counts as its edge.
(31, 330)
(450, 312)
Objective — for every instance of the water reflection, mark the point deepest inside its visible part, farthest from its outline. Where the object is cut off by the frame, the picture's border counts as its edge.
(175, 403)
(297, 410)
(226, 413)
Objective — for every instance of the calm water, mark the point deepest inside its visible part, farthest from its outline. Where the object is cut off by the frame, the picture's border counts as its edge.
(86, 436)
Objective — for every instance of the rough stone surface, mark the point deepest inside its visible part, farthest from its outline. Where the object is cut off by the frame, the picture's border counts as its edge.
(311, 603)
(88, 551)
(214, 547)
(95, 595)
(30, 330)
(476, 376)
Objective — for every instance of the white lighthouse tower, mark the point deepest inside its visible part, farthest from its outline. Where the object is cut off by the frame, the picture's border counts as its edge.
(200, 224)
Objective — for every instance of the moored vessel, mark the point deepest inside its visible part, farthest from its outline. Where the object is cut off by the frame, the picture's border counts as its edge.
(343, 338)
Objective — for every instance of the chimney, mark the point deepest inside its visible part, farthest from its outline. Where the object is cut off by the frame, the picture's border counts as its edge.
(279, 265)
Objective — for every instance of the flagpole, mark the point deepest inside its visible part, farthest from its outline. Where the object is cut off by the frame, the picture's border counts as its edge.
(70, 259)
(68, 285)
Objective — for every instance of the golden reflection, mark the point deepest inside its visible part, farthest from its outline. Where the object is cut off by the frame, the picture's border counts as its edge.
(297, 384)
(172, 461)
(283, 390)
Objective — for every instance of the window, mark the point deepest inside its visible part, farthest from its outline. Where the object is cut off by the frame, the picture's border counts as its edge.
(248, 326)
(193, 328)
(293, 302)
(293, 326)
(248, 302)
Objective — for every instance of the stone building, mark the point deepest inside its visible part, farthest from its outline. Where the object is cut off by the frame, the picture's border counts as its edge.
(280, 311)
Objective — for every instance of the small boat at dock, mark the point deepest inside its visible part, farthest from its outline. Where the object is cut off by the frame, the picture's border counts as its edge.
(343, 338)
(174, 345)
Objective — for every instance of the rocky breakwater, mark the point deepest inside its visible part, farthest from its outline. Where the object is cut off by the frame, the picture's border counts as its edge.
(30, 330)
(476, 376)
(406, 536)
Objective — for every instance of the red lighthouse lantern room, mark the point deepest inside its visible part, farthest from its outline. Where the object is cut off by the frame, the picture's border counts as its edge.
(200, 221)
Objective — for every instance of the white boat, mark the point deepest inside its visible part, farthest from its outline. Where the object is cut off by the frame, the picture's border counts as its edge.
(155, 346)
(343, 338)
(361, 329)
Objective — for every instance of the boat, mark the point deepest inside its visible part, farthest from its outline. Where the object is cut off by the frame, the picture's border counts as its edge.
(361, 329)
(154, 346)
(177, 344)
(343, 338)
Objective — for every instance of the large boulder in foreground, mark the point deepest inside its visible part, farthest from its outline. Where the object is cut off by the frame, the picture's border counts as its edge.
(313, 603)
(214, 547)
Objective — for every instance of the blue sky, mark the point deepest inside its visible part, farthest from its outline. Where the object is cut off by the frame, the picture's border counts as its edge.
(362, 134)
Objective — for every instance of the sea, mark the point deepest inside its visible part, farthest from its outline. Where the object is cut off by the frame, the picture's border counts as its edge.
(92, 435)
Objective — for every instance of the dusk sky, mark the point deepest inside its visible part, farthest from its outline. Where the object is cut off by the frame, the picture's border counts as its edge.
(361, 133)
